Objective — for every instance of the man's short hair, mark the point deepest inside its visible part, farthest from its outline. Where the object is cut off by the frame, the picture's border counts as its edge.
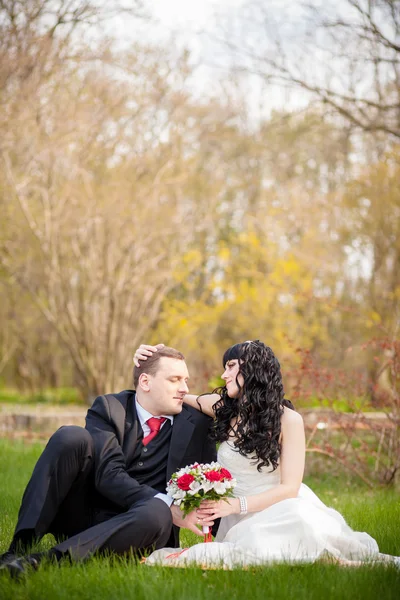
(151, 365)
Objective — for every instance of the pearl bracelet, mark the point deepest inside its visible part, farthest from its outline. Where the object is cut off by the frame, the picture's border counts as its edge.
(243, 505)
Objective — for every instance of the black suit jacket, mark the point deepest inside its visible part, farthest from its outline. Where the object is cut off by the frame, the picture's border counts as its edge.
(113, 425)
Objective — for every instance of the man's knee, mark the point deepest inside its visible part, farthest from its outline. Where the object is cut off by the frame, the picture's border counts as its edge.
(71, 439)
(157, 516)
(161, 520)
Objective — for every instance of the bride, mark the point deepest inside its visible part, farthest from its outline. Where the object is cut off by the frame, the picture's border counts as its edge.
(274, 517)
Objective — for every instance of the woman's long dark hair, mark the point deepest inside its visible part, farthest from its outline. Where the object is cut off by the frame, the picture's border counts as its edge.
(258, 406)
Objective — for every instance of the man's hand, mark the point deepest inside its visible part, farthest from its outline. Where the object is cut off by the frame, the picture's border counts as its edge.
(144, 351)
(191, 521)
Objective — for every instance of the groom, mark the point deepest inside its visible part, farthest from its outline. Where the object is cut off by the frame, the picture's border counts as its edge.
(103, 487)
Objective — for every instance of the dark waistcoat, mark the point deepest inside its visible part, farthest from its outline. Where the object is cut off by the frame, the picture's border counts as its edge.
(149, 463)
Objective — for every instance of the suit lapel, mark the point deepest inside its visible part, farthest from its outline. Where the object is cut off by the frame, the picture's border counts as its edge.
(182, 431)
(131, 431)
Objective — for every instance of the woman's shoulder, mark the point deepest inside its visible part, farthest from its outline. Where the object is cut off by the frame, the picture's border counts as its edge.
(291, 418)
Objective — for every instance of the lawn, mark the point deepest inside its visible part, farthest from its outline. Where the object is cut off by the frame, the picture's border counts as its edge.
(377, 512)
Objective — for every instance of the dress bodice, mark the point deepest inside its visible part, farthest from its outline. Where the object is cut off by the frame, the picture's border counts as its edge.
(244, 470)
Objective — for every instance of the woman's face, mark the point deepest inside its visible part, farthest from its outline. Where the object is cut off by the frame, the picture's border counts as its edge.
(230, 375)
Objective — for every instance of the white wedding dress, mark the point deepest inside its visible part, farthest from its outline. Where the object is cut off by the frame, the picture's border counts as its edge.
(297, 530)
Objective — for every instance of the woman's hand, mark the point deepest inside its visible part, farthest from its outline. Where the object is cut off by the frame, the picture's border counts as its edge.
(214, 509)
(192, 521)
(144, 351)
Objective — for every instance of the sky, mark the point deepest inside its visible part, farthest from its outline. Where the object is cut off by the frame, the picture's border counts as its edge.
(190, 14)
(187, 22)
(196, 25)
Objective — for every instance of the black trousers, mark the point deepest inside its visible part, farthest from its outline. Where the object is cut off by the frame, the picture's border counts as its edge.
(60, 498)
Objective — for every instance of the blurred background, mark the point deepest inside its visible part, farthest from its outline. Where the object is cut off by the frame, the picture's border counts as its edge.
(200, 174)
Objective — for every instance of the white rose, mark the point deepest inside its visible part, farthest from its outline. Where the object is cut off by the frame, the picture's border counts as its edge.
(194, 486)
(207, 485)
(179, 495)
(220, 487)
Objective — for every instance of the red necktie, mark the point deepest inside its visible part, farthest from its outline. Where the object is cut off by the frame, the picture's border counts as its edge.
(155, 425)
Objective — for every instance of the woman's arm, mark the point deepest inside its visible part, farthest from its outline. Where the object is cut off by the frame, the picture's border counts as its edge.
(203, 403)
(291, 461)
(292, 468)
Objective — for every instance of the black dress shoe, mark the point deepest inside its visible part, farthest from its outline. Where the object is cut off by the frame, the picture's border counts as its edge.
(7, 557)
(20, 566)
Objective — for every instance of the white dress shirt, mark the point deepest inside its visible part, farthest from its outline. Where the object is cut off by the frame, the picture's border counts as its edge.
(143, 416)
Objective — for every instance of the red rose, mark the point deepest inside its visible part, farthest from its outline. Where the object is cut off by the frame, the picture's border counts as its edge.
(213, 476)
(225, 474)
(184, 482)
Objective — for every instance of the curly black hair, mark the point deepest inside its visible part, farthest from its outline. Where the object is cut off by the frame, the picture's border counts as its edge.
(258, 407)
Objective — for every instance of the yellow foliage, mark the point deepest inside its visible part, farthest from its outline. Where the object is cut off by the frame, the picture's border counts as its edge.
(376, 318)
(224, 254)
(252, 294)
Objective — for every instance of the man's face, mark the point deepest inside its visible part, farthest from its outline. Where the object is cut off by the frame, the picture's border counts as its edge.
(168, 386)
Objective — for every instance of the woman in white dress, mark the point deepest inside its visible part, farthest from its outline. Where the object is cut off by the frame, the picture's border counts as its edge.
(274, 517)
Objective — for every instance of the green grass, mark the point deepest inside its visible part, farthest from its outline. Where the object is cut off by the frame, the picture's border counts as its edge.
(347, 404)
(377, 512)
(60, 396)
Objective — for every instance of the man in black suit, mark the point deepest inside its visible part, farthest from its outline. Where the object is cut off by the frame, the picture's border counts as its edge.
(102, 487)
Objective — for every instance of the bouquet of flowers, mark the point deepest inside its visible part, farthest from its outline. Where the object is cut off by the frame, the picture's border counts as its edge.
(193, 484)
